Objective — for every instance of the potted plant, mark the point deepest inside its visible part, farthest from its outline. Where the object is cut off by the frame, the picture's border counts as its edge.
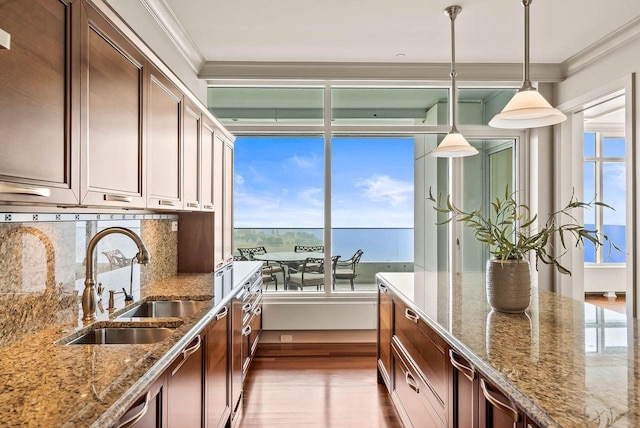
(508, 234)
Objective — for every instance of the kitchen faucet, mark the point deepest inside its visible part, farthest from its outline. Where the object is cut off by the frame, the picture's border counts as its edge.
(89, 294)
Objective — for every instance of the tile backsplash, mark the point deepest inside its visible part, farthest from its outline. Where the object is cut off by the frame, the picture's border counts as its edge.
(42, 267)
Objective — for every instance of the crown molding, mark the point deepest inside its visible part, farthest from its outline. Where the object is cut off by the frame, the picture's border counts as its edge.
(170, 24)
(488, 72)
(614, 41)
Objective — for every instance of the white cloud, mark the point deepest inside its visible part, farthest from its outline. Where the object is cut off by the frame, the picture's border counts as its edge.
(302, 162)
(312, 196)
(238, 180)
(382, 188)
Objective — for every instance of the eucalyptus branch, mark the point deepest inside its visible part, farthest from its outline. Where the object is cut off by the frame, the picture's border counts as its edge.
(509, 235)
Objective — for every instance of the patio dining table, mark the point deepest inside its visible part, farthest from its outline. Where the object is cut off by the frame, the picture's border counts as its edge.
(286, 258)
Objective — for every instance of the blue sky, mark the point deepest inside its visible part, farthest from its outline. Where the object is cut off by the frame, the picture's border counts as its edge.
(279, 182)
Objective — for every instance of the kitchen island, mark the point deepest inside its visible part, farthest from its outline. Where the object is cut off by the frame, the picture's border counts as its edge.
(562, 363)
(45, 383)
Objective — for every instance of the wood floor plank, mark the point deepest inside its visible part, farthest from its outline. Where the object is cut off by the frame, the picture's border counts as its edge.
(316, 392)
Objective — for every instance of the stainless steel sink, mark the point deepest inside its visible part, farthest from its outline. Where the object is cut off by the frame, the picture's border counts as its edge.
(123, 336)
(165, 308)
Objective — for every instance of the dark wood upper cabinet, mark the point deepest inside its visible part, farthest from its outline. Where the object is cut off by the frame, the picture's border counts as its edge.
(192, 156)
(164, 143)
(38, 105)
(206, 181)
(112, 92)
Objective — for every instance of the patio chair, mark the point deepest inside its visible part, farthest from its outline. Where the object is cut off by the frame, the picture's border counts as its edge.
(267, 275)
(267, 268)
(346, 269)
(116, 259)
(307, 276)
(309, 248)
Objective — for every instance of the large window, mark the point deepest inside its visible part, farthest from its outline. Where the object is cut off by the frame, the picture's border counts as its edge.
(604, 181)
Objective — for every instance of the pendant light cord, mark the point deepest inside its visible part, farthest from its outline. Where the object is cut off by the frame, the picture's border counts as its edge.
(453, 11)
(526, 81)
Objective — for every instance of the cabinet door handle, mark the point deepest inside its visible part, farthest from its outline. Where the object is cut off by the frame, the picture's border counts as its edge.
(411, 315)
(246, 331)
(230, 259)
(135, 418)
(411, 382)
(193, 205)
(166, 203)
(5, 187)
(219, 265)
(208, 206)
(383, 288)
(498, 404)
(258, 310)
(246, 307)
(117, 198)
(468, 372)
(186, 353)
(223, 313)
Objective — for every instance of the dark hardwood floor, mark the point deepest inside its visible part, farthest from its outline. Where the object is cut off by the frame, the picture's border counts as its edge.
(316, 392)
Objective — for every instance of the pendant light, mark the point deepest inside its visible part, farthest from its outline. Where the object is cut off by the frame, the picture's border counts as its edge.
(454, 145)
(527, 108)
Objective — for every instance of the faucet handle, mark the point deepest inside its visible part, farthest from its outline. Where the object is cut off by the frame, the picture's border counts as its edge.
(100, 290)
(127, 297)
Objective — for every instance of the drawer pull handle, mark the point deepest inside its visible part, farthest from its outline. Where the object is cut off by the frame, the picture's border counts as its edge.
(24, 189)
(186, 353)
(166, 203)
(468, 372)
(208, 206)
(411, 382)
(258, 310)
(495, 401)
(135, 418)
(223, 313)
(383, 288)
(411, 315)
(117, 198)
(246, 331)
(246, 307)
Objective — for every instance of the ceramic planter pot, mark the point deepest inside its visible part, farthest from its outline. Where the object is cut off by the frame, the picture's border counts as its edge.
(508, 285)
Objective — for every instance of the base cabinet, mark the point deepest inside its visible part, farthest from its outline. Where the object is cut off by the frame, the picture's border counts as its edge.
(431, 383)
(217, 366)
(149, 411)
(185, 386)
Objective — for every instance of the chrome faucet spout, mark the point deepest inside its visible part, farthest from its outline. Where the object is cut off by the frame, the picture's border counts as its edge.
(89, 293)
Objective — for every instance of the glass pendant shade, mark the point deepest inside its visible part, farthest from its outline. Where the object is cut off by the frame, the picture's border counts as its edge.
(454, 145)
(527, 109)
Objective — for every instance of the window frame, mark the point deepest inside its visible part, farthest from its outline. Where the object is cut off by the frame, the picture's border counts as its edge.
(599, 160)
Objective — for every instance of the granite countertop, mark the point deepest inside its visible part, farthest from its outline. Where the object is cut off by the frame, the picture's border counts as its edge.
(50, 384)
(565, 362)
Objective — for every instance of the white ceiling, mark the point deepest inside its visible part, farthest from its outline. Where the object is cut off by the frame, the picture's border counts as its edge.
(377, 30)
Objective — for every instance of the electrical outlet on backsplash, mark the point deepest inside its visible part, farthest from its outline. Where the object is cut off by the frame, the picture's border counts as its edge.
(42, 267)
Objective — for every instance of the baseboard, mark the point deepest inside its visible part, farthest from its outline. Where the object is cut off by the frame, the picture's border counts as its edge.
(365, 349)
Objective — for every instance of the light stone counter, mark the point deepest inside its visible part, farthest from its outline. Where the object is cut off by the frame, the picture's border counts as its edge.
(564, 362)
(44, 384)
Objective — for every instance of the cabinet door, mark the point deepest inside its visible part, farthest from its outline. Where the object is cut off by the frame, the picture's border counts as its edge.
(385, 323)
(496, 410)
(39, 103)
(184, 387)
(412, 396)
(206, 181)
(112, 106)
(427, 349)
(217, 365)
(192, 153)
(147, 411)
(237, 315)
(228, 203)
(164, 143)
(464, 406)
(218, 183)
